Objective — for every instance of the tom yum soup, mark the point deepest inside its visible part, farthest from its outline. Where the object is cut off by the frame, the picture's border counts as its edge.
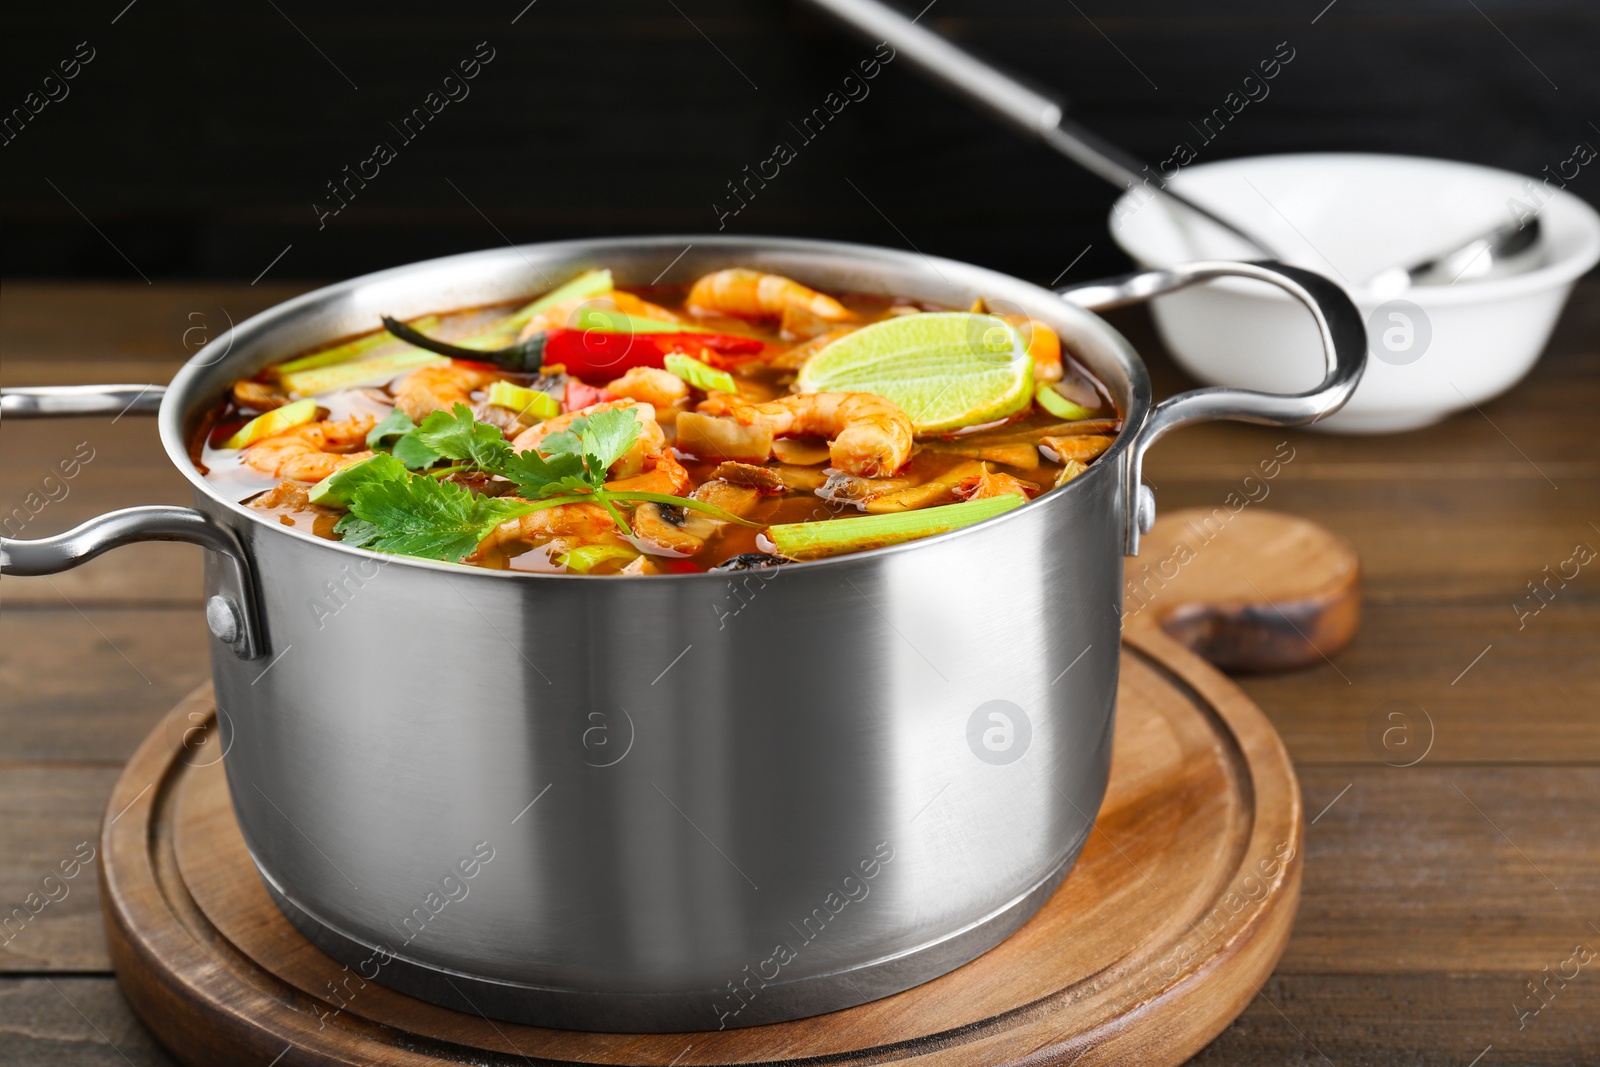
(744, 423)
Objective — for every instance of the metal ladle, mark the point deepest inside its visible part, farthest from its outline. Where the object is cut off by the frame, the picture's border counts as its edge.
(1038, 115)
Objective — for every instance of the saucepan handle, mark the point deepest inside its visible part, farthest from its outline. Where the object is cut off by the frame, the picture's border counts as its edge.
(57, 401)
(230, 612)
(1344, 347)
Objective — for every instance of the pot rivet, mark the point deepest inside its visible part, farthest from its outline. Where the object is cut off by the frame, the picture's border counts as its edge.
(1146, 509)
(223, 619)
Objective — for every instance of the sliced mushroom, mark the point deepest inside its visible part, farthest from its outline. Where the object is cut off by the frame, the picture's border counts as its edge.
(258, 396)
(1082, 449)
(801, 479)
(1069, 470)
(804, 451)
(673, 528)
(1020, 455)
(738, 500)
(940, 489)
(851, 488)
(764, 480)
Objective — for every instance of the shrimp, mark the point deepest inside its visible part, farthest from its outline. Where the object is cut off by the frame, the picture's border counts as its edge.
(988, 483)
(795, 358)
(867, 434)
(439, 389)
(662, 474)
(629, 304)
(750, 294)
(560, 316)
(650, 443)
(311, 451)
(290, 502)
(1044, 345)
(651, 385)
(563, 527)
(1042, 342)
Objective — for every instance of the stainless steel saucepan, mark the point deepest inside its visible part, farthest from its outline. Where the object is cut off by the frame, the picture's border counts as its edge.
(689, 801)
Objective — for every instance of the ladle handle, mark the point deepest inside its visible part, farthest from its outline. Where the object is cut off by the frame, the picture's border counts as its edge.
(1027, 109)
(1005, 96)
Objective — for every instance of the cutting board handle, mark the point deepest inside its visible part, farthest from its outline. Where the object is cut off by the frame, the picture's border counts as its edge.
(1248, 590)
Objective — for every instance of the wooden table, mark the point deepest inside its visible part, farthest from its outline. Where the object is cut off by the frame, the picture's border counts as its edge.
(1434, 893)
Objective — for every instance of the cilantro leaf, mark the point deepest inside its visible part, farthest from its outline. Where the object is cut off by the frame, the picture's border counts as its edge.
(417, 456)
(575, 458)
(357, 532)
(392, 510)
(607, 436)
(399, 434)
(538, 476)
(381, 467)
(394, 425)
(457, 435)
(420, 516)
(563, 442)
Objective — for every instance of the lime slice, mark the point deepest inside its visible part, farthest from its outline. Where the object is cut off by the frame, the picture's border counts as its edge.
(275, 421)
(945, 369)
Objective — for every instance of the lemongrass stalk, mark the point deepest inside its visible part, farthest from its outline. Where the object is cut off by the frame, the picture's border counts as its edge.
(700, 375)
(503, 331)
(374, 371)
(590, 318)
(351, 350)
(586, 558)
(814, 540)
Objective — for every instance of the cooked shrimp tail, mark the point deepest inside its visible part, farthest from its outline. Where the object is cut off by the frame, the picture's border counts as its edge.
(750, 294)
(563, 526)
(1044, 345)
(867, 434)
(651, 441)
(651, 385)
(311, 451)
(431, 389)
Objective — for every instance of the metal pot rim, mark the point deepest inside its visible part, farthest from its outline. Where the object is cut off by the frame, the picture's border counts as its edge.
(178, 399)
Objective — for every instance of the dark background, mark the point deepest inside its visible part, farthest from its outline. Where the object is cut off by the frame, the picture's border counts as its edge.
(196, 141)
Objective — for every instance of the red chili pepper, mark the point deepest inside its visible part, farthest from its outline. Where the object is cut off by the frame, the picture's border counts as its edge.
(580, 396)
(601, 355)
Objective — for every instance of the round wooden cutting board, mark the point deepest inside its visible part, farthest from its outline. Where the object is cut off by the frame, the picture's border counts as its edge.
(1175, 913)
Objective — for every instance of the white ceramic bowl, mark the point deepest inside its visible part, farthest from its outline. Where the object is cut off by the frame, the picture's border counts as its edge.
(1432, 350)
